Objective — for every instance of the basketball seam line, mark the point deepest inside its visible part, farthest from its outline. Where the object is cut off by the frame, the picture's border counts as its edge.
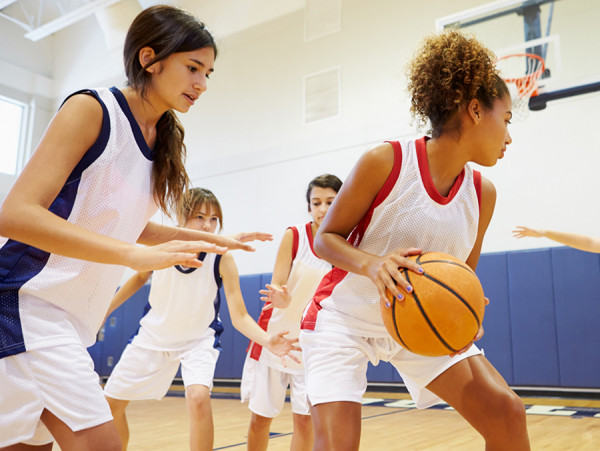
(439, 282)
(420, 306)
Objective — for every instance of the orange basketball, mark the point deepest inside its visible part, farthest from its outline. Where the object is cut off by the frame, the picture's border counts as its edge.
(444, 311)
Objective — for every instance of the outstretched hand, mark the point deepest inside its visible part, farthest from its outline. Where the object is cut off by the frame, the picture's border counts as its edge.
(281, 346)
(521, 232)
(275, 296)
(238, 240)
(171, 253)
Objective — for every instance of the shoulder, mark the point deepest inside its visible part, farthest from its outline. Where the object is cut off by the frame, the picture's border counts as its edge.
(488, 190)
(227, 261)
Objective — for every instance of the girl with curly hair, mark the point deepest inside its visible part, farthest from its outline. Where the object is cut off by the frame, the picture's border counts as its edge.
(401, 199)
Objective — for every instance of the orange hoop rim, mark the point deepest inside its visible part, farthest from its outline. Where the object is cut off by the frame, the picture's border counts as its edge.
(533, 75)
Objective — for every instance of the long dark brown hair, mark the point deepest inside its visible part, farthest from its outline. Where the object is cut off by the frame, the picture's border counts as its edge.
(166, 30)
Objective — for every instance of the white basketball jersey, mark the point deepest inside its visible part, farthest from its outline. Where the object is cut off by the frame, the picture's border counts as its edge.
(305, 275)
(407, 212)
(48, 299)
(184, 305)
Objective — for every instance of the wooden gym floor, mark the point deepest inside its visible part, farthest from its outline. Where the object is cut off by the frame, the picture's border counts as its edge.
(389, 422)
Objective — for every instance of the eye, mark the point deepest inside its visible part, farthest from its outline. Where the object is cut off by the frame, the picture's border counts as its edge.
(193, 69)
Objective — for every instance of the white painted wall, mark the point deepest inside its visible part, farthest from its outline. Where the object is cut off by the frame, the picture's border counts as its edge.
(246, 140)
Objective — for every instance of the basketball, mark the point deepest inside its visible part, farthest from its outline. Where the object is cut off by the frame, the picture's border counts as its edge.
(444, 311)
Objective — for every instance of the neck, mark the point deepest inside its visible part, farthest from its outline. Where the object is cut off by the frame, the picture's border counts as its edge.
(446, 159)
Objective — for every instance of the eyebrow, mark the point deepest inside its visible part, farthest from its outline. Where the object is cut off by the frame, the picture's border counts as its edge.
(200, 63)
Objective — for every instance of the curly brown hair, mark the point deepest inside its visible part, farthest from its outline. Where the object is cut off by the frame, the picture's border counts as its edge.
(448, 71)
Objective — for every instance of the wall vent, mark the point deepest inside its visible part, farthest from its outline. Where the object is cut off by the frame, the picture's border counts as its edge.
(322, 95)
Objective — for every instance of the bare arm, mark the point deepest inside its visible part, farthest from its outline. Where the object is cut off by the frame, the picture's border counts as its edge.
(242, 321)
(276, 294)
(129, 288)
(577, 241)
(25, 215)
(350, 205)
(158, 233)
(488, 203)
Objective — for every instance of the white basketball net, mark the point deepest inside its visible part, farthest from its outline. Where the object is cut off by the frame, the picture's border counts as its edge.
(521, 87)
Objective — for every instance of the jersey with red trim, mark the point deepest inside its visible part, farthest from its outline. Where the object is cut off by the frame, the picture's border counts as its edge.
(48, 299)
(407, 212)
(306, 273)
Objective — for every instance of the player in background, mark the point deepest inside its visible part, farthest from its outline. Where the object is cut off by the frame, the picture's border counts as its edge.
(296, 275)
(183, 327)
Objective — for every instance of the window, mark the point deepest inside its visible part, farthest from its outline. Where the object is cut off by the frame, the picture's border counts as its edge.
(12, 116)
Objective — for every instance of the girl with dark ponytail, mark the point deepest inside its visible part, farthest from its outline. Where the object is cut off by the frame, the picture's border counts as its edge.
(109, 158)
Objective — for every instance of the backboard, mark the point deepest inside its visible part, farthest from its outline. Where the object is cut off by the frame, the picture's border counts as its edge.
(564, 33)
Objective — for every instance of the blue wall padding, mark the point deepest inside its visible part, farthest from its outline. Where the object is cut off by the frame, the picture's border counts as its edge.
(496, 342)
(118, 329)
(541, 326)
(576, 277)
(532, 318)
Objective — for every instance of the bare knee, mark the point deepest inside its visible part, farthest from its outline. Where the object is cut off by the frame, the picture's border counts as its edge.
(504, 412)
(302, 423)
(117, 406)
(198, 399)
(259, 422)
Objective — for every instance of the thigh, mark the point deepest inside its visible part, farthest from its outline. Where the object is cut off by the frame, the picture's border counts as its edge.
(337, 425)
(473, 387)
(419, 371)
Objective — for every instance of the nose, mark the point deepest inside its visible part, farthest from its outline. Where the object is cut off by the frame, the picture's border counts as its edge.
(200, 84)
(508, 138)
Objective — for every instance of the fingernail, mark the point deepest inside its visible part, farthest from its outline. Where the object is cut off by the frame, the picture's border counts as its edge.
(421, 270)
(388, 305)
(409, 289)
(399, 297)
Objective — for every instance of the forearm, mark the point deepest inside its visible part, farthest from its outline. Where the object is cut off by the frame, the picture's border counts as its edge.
(246, 325)
(582, 242)
(38, 227)
(340, 253)
(158, 233)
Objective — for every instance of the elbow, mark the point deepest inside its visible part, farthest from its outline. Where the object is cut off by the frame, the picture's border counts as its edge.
(7, 221)
(319, 245)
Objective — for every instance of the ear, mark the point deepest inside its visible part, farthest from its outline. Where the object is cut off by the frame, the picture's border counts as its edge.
(146, 55)
(475, 110)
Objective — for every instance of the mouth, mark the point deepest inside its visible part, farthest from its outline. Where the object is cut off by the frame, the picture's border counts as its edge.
(191, 98)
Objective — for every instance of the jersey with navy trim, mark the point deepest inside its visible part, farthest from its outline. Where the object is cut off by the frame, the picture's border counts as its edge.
(184, 307)
(48, 299)
(407, 212)
(305, 275)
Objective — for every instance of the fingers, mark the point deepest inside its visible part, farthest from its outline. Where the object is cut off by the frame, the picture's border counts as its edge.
(267, 306)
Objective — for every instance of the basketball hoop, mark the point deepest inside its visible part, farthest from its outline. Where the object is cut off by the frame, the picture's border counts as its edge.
(522, 87)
